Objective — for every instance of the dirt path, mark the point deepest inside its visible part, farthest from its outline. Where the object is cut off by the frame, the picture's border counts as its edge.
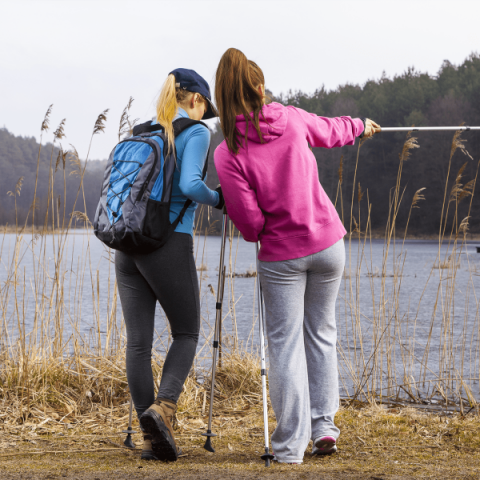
(241, 463)
(205, 474)
(375, 444)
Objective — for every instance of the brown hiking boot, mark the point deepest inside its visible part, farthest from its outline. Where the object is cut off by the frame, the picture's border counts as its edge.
(157, 421)
(147, 453)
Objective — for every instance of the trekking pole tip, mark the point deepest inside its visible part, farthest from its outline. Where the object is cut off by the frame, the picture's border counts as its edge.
(208, 444)
(268, 457)
(128, 442)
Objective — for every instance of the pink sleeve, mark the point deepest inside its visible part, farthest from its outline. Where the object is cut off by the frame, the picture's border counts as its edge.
(240, 198)
(330, 132)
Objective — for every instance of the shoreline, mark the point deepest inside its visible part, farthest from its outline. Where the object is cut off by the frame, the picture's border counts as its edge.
(374, 235)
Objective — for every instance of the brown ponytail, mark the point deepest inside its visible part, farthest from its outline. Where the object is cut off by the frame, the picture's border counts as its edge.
(236, 92)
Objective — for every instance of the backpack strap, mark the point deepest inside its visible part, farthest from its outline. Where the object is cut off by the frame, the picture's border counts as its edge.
(179, 126)
(189, 202)
(182, 123)
(146, 127)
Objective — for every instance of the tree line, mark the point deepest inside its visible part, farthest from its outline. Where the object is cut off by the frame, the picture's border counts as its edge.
(452, 97)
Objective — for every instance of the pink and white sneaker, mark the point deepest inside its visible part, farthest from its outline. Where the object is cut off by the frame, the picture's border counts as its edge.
(324, 446)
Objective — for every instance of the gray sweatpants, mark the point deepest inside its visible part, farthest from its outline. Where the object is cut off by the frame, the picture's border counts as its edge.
(300, 297)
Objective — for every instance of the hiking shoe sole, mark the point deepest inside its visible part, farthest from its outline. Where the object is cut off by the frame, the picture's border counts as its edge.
(148, 455)
(324, 446)
(163, 444)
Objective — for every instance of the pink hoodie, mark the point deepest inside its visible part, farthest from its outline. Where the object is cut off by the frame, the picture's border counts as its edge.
(272, 191)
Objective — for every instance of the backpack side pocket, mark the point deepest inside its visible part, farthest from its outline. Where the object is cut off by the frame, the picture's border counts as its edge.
(157, 219)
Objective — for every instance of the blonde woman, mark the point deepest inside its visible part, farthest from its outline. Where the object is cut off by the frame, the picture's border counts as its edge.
(168, 275)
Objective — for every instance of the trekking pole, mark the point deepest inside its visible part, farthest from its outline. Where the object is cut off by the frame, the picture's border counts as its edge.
(128, 440)
(267, 456)
(220, 326)
(218, 320)
(427, 129)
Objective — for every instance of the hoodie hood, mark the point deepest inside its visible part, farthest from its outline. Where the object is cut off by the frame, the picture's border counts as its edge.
(272, 120)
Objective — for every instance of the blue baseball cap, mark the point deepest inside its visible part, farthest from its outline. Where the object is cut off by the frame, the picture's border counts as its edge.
(190, 80)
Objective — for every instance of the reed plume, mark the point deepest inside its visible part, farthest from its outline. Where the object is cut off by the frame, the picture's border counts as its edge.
(61, 157)
(46, 119)
(100, 122)
(75, 161)
(409, 144)
(458, 144)
(17, 189)
(59, 133)
(463, 227)
(77, 215)
(417, 197)
(467, 190)
(360, 193)
(457, 188)
(126, 124)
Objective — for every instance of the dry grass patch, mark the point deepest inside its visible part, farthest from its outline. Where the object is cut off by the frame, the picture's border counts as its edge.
(62, 430)
(375, 443)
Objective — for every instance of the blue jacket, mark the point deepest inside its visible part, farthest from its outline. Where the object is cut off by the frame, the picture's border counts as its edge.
(191, 147)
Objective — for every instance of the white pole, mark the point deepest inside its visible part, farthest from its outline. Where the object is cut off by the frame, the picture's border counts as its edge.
(267, 456)
(428, 129)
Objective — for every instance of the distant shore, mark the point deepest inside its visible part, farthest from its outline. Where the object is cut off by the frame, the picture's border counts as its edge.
(375, 234)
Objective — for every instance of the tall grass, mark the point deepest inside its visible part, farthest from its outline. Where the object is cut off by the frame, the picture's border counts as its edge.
(58, 357)
(390, 360)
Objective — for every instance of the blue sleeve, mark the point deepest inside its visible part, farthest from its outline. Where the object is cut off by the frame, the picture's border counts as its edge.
(193, 161)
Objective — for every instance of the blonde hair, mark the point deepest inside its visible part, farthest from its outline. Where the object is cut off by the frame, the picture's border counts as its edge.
(171, 96)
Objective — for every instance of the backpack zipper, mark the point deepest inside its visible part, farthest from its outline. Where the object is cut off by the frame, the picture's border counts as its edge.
(150, 173)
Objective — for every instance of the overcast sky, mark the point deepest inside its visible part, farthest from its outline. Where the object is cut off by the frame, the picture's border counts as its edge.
(88, 55)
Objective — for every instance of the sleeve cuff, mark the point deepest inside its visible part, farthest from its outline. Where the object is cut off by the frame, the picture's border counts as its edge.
(363, 126)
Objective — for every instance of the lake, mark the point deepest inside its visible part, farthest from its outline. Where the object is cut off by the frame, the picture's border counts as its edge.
(400, 318)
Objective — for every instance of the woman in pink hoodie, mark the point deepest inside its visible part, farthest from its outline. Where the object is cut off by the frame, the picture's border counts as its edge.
(270, 184)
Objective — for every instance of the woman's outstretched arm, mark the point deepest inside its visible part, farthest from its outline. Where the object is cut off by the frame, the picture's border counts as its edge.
(329, 132)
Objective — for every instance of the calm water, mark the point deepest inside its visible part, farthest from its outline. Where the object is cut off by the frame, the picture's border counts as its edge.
(419, 293)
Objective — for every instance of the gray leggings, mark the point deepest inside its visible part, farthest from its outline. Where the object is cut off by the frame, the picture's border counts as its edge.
(300, 297)
(168, 275)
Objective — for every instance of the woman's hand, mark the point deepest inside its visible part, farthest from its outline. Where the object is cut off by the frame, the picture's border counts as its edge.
(371, 128)
(221, 202)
